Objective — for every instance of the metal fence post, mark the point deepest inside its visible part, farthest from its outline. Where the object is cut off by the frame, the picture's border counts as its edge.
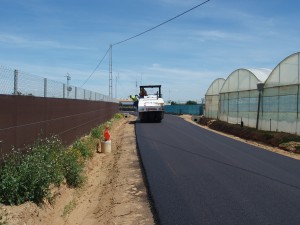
(64, 91)
(16, 78)
(75, 92)
(260, 88)
(84, 94)
(45, 87)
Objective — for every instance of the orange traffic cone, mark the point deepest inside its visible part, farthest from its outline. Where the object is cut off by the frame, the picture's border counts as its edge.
(106, 134)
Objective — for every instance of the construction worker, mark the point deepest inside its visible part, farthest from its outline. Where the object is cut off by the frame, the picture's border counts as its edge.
(135, 100)
(143, 93)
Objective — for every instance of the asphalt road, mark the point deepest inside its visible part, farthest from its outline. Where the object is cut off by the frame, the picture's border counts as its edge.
(199, 177)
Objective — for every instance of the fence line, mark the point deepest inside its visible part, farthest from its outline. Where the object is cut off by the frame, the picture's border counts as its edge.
(24, 119)
(15, 82)
(50, 120)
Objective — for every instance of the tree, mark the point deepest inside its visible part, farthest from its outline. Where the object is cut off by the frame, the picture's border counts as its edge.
(191, 102)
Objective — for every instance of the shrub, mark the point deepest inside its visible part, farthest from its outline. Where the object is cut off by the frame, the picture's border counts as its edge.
(73, 167)
(96, 133)
(118, 116)
(9, 183)
(28, 177)
(267, 135)
(290, 137)
(83, 148)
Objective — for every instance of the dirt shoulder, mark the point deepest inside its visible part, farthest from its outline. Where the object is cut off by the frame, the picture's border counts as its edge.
(114, 192)
(254, 143)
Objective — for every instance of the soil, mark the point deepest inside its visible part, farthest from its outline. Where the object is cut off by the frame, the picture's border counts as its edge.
(114, 192)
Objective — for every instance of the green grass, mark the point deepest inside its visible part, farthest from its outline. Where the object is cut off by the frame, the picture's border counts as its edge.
(69, 208)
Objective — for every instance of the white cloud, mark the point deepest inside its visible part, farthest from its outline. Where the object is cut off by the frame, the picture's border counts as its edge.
(173, 72)
(221, 35)
(20, 41)
(12, 39)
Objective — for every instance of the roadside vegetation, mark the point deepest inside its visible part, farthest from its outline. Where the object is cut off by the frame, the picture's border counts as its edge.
(47, 163)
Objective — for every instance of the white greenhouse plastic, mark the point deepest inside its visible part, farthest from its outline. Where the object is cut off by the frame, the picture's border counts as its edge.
(239, 96)
(212, 98)
(274, 107)
(280, 98)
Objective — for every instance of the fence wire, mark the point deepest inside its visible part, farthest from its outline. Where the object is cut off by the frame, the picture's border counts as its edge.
(15, 82)
(6, 81)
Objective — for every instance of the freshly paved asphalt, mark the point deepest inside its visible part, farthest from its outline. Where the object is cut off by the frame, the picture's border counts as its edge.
(199, 177)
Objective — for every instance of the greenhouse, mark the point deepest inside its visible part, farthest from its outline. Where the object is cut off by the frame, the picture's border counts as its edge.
(239, 96)
(212, 98)
(260, 98)
(280, 97)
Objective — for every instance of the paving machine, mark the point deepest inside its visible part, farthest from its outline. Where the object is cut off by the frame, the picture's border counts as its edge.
(150, 104)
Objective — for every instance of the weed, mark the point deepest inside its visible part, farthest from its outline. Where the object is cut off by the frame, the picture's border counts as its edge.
(69, 208)
(84, 149)
(268, 135)
(96, 133)
(73, 167)
(290, 137)
(27, 177)
(118, 116)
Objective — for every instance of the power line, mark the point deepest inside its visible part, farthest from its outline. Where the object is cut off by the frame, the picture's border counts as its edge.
(96, 68)
(146, 31)
(167, 21)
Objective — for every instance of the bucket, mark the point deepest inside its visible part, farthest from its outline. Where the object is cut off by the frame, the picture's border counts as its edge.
(106, 146)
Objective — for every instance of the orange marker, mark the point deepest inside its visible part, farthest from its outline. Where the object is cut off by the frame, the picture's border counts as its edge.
(106, 134)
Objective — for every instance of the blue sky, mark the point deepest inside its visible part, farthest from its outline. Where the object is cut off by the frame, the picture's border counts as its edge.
(51, 38)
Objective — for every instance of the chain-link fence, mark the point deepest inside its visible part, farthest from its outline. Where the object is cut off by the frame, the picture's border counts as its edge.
(15, 82)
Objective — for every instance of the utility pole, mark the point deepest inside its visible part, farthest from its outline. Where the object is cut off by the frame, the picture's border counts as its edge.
(136, 87)
(110, 72)
(116, 85)
(68, 83)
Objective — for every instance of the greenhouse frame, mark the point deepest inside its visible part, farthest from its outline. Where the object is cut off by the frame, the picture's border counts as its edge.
(212, 98)
(260, 98)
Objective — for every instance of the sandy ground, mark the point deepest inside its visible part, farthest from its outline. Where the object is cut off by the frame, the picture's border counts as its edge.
(114, 192)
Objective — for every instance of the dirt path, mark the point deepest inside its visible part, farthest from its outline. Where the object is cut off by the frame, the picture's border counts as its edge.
(114, 192)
